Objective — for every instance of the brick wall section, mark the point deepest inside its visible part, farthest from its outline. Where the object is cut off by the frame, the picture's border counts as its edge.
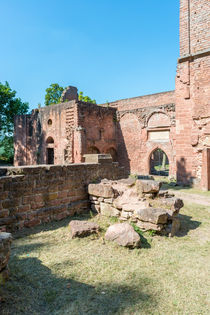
(99, 125)
(134, 145)
(33, 195)
(194, 26)
(193, 93)
(143, 101)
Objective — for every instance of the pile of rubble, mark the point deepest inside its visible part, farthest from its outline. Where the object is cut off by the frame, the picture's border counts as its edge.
(5, 248)
(138, 201)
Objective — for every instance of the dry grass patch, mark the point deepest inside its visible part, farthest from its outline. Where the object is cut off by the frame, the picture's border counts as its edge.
(52, 274)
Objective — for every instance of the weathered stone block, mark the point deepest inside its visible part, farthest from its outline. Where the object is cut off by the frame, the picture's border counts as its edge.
(107, 210)
(123, 234)
(101, 190)
(147, 186)
(146, 226)
(153, 215)
(82, 228)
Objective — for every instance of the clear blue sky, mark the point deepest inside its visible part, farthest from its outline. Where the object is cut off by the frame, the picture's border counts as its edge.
(109, 49)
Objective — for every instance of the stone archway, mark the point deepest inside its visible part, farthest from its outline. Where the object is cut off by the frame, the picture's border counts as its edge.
(113, 153)
(158, 163)
(93, 150)
(50, 155)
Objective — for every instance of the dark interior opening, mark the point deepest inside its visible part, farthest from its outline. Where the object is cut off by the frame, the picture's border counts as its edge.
(93, 150)
(50, 156)
(159, 163)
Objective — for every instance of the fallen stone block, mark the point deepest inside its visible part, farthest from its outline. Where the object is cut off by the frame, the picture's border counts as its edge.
(147, 226)
(107, 210)
(131, 207)
(147, 186)
(175, 227)
(123, 234)
(153, 215)
(82, 228)
(101, 190)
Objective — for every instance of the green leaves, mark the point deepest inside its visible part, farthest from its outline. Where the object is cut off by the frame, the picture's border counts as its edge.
(10, 106)
(86, 98)
(53, 94)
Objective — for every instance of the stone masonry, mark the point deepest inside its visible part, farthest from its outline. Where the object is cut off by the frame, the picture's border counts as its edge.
(5, 248)
(138, 201)
(32, 195)
(132, 130)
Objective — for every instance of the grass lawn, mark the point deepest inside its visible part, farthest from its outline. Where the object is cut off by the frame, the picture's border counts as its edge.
(52, 274)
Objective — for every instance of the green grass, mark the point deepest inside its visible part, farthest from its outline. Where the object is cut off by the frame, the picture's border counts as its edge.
(186, 189)
(53, 274)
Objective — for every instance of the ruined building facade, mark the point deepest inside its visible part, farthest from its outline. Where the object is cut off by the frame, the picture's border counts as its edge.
(137, 130)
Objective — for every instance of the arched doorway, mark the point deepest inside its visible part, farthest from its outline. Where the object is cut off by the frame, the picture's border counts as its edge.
(113, 154)
(159, 163)
(50, 150)
(93, 150)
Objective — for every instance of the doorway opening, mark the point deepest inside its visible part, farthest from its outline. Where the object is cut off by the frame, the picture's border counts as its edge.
(159, 163)
(50, 156)
(93, 150)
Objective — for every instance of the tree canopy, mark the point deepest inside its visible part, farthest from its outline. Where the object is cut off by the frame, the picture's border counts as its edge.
(10, 106)
(86, 98)
(54, 92)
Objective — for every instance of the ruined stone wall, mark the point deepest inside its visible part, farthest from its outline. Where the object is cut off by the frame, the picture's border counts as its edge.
(97, 128)
(143, 101)
(194, 26)
(71, 129)
(193, 93)
(33, 195)
(143, 130)
(48, 127)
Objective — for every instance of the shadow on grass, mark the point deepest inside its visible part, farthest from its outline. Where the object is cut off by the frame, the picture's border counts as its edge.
(144, 242)
(187, 224)
(50, 226)
(33, 289)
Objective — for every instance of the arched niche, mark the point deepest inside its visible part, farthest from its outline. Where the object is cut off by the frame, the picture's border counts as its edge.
(158, 163)
(49, 140)
(93, 150)
(158, 120)
(113, 153)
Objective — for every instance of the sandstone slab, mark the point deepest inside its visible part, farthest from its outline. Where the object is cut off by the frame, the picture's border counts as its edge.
(153, 215)
(101, 190)
(147, 186)
(123, 234)
(108, 211)
(82, 228)
(147, 226)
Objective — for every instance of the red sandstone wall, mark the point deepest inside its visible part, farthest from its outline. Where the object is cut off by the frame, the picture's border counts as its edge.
(134, 143)
(98, 128)
(32, 132)
(193, 92)
(194, 26)
(34, 195)
(144, 101)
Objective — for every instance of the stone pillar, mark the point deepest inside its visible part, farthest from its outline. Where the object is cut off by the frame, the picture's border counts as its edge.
(79, 144)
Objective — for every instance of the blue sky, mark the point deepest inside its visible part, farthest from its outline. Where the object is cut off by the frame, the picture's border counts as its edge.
(109, 49)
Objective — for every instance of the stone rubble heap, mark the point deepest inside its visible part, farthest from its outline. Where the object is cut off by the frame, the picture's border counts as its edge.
(138, 201)
(5, 248)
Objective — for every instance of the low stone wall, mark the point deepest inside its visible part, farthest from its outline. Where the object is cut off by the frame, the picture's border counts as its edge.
(5, 247)
(137, 201)
(32, 195)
